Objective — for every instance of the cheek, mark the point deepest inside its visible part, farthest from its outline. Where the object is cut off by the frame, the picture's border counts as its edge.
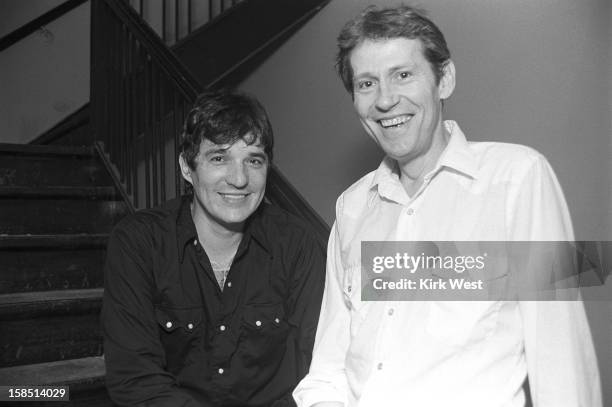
(361, 106)
(258, 180)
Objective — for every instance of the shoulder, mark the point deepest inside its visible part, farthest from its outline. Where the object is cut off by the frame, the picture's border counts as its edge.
(278, 222)
(148, 222)
(356, 196)
(506, 160)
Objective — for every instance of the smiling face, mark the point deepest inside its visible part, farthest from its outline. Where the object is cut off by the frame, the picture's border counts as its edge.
(398, 99)
(229, 182)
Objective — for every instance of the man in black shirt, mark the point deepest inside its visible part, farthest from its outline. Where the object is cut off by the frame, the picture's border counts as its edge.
(213, 298)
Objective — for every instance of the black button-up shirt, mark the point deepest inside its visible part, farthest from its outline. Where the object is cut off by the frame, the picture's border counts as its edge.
(173, 338)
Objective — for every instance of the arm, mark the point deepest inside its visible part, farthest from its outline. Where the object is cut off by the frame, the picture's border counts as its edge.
(304, 302)
(561, 362)
(326, 384)
(134, 356)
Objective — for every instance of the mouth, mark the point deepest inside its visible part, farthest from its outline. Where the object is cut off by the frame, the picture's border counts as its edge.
(234, 197)
(396, 121)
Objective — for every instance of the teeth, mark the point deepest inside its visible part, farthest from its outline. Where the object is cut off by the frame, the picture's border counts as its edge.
(396, 121)
(233, 196)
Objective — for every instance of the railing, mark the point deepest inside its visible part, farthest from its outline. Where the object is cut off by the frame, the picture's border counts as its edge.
(140, 94)
(173, 20)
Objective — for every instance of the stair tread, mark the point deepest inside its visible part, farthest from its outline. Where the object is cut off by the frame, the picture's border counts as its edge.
(59, 191)
(57, 240)
(51, 296)
(46, 149)
(84, 371)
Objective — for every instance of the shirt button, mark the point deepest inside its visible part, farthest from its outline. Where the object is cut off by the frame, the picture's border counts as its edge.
(168, 324)
(390, 312)
(222, 328)
(277, 320)
(221, 371)
(380, 366)
(410, 211)
(195, 242)
(229, 284)
(258, 323)
(190, 326)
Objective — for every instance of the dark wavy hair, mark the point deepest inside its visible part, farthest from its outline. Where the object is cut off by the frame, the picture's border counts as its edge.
(387, 23)
(225, 117)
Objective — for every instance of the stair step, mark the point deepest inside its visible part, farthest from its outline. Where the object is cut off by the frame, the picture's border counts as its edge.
(57, 241)
(33, 149)
(106, 192)
(17, 306)
(50, 326)
(72, 372)
(40, 170)
(84, 377)
(41, 269)
(46, 216)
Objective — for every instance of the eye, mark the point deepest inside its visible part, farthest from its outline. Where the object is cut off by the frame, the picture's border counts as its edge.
(256, 162)
(404, 74)
(217, 159)
(364, 84)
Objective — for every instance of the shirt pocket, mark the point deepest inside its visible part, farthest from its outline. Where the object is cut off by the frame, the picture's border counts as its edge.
(182, 332)
(264, 332)
(474, 318)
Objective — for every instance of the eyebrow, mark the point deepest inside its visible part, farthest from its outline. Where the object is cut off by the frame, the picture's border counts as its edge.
(258, 154)
(401, 67)
(218, 150)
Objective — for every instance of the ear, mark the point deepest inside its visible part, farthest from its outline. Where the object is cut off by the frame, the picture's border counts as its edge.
(447, 81)
(185, 170)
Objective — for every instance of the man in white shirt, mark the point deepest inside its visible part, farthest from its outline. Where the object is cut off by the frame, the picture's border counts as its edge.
(433, 185)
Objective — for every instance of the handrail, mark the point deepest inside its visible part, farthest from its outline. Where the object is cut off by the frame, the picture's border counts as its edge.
(140, 94)
(28, 28)
(147, 36)
(176, 22)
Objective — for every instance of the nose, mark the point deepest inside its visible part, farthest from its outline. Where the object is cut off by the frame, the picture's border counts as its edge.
(386, 98)
(237, 175)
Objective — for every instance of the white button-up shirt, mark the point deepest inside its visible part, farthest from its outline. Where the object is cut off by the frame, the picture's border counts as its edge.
(432, 353)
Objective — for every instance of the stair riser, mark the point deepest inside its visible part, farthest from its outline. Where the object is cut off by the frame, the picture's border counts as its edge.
(45, 270)
(51, 216)
(24, 170)
(49, 339)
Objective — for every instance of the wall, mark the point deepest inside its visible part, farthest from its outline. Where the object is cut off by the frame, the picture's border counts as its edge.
(45, 76)
(529, 72)
(13, 14)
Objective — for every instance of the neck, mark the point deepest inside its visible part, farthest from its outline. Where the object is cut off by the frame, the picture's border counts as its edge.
(413, 170)
(219, 241)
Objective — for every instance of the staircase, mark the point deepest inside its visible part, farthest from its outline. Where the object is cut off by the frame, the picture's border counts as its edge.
(57, 207)
(59, 202)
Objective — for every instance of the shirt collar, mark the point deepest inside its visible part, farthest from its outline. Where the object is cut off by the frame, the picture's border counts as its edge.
(456, 156)
(186, 232)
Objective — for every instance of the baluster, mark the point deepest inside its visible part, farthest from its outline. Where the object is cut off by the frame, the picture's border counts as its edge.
(162, 138)
(176, 21)
(188, 17)
(164, 35)
(125, 113)
(147, 126)
(154, 129)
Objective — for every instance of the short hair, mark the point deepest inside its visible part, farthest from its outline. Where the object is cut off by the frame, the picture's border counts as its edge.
(379, 24)
(225, 117)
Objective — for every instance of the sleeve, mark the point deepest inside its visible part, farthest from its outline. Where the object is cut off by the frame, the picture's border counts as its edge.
(561, 363)
(133, 353)
(326, 380)
(304, 303)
